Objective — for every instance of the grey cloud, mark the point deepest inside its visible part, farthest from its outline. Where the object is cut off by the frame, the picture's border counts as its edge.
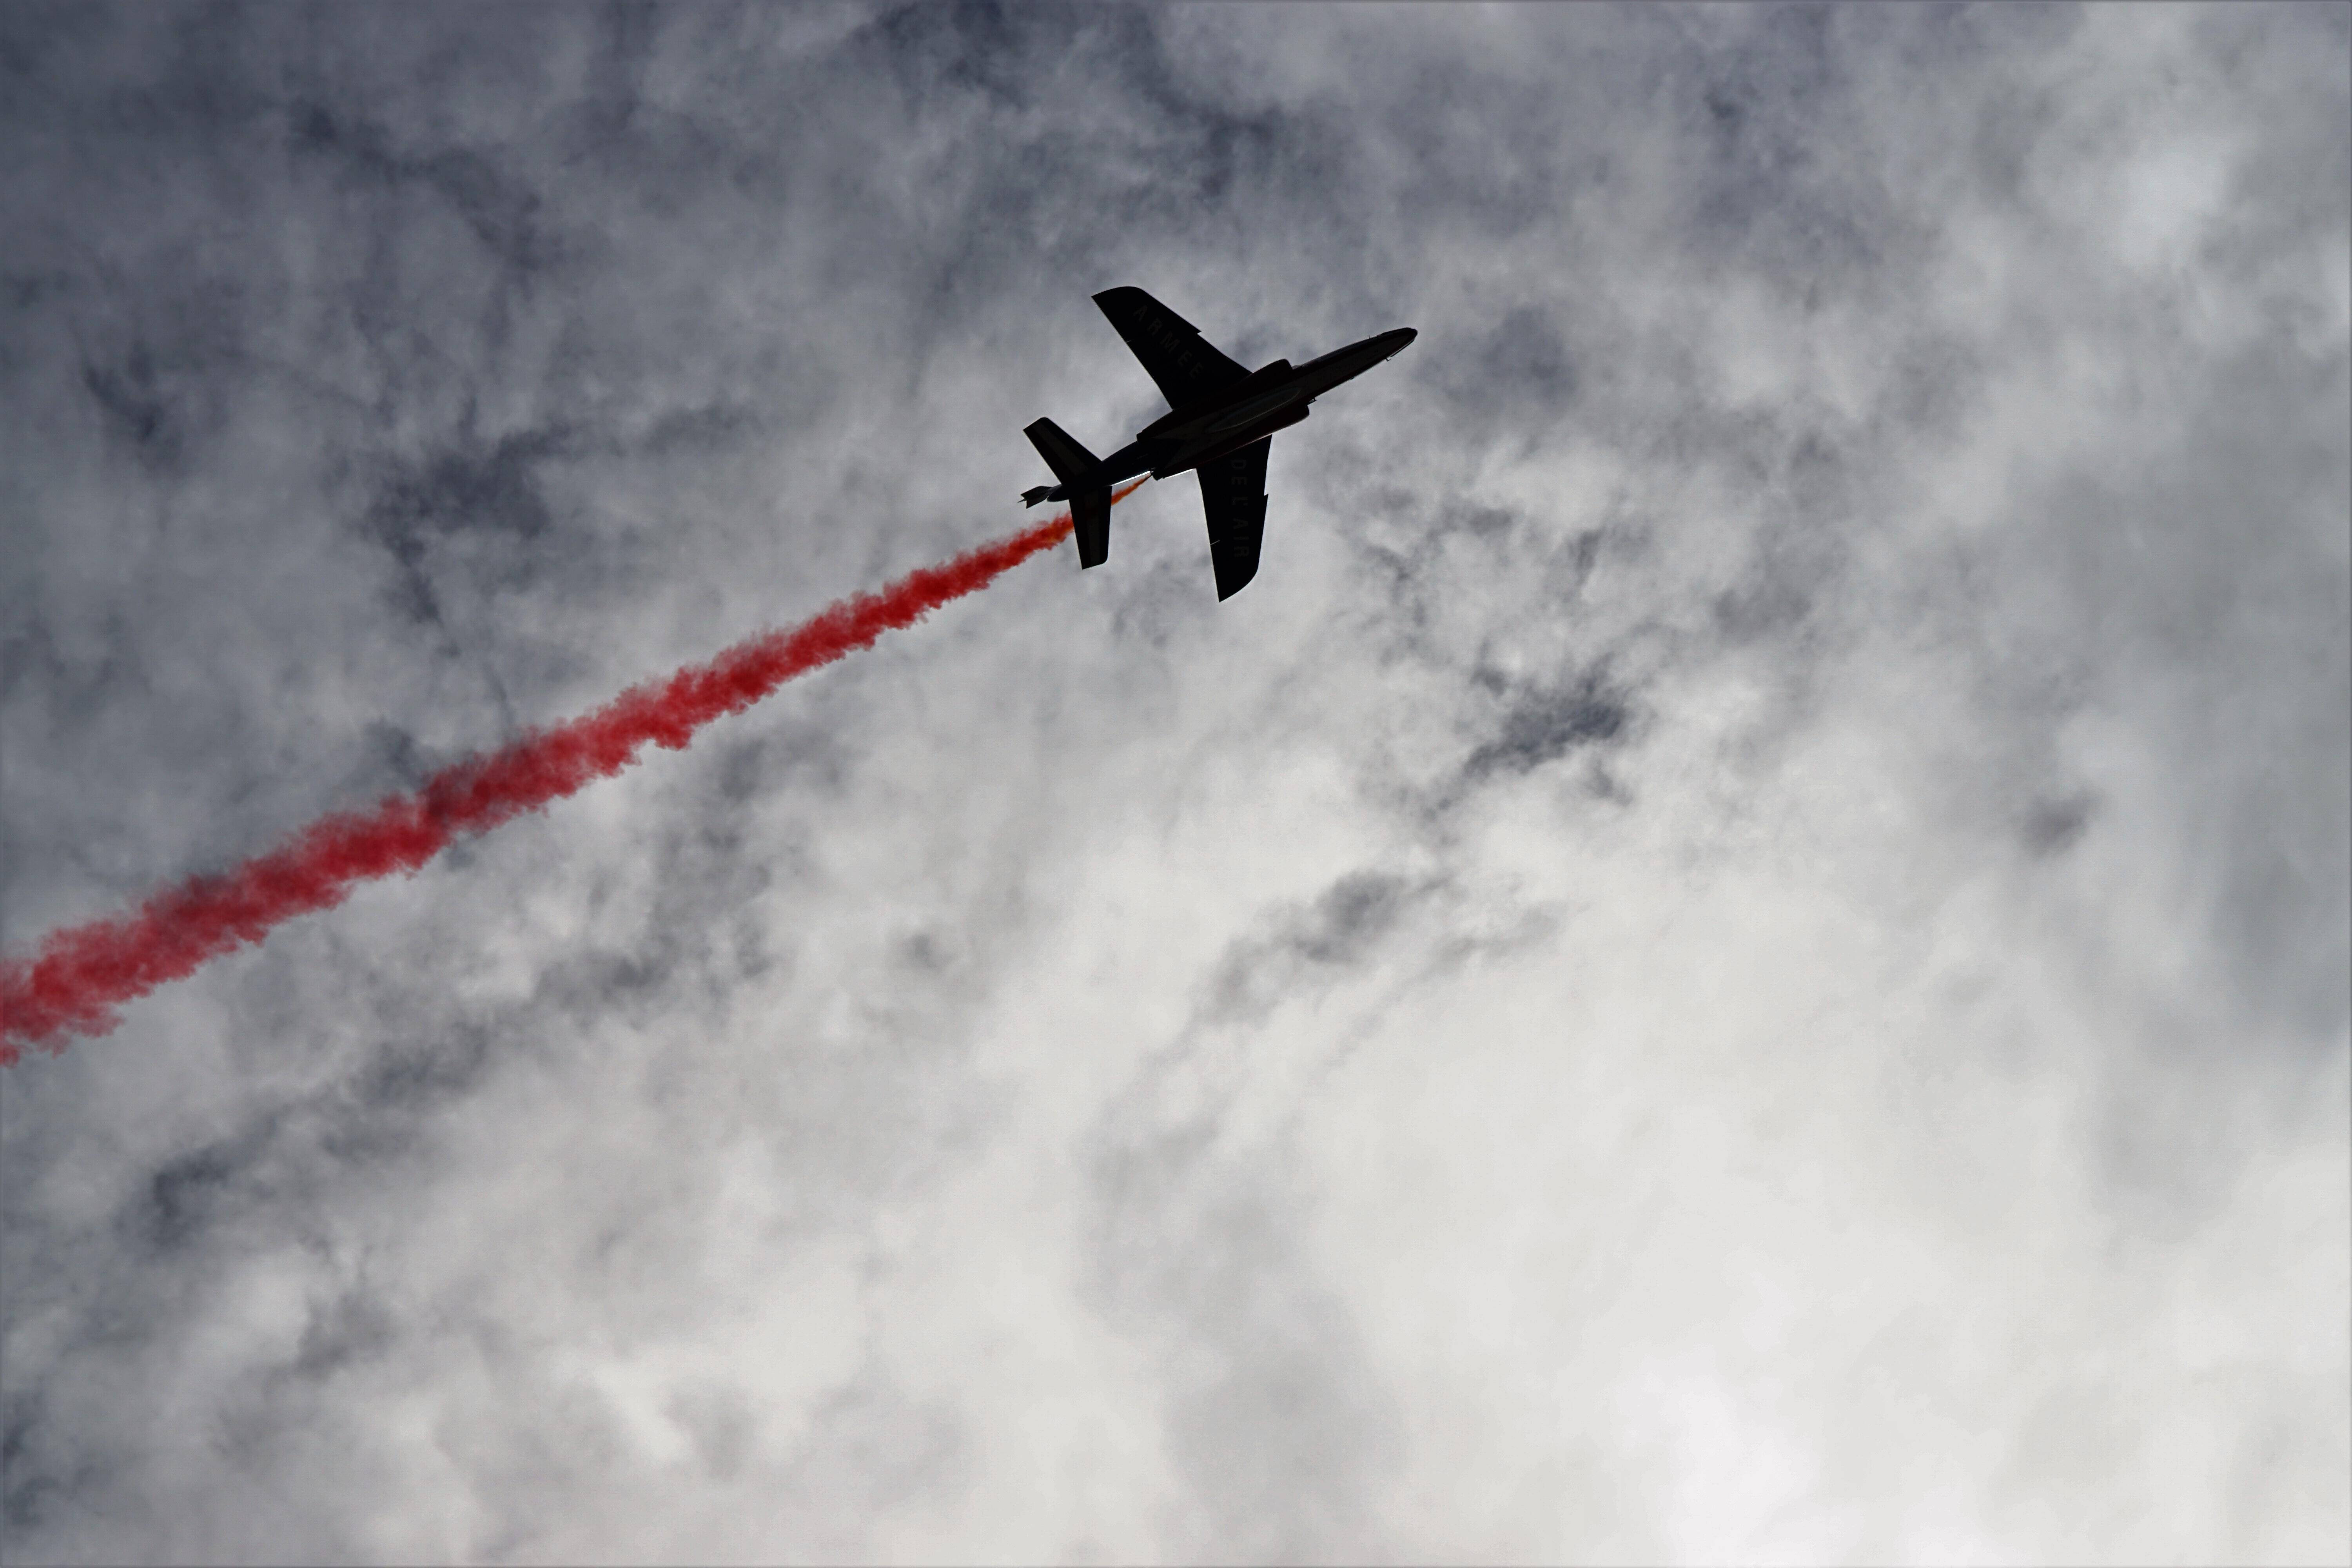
(1338, 929)
(479, 494)
(500, 211)
(133, 404)
(1519, 370)
(2053, 827)
(1546, 726)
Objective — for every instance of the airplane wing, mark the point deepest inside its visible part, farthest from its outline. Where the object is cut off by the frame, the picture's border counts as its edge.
(1233, 491)
(1171, 348)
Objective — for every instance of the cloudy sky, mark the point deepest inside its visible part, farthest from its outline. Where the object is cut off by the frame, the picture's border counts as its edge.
(1738, 951)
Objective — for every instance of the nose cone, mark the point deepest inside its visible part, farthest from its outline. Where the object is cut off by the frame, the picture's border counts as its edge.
(1401, 340)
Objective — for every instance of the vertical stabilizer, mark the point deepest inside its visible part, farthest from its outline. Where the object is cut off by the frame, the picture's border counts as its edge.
(1090, 521)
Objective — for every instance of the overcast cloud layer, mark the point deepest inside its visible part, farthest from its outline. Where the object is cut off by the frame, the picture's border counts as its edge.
(1739, 950)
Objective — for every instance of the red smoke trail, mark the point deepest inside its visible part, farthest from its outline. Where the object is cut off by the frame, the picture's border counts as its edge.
(81, 974)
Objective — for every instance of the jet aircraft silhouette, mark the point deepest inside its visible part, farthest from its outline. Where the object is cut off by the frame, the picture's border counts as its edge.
(1219, 424)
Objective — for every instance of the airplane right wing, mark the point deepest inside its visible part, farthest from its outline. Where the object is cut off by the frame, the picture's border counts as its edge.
(1233, 491)
(1178, 358)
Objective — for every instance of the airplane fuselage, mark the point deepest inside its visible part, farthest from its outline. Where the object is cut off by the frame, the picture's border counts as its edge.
(1252, 409)
(1218, 426)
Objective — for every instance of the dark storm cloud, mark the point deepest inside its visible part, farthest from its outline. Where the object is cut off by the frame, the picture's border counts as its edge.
(1113, 1075)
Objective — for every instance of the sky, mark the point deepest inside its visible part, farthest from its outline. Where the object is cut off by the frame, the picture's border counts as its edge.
(1738, 951)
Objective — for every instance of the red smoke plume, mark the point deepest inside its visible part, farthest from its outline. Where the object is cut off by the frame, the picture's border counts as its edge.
(81, 974)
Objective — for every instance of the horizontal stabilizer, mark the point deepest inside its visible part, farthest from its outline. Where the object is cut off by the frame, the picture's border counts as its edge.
(1072, 464)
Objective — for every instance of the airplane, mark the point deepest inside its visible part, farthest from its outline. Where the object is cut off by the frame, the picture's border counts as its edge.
(1220, 423)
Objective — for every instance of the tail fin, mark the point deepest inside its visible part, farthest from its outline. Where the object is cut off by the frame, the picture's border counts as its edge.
(1089, 499)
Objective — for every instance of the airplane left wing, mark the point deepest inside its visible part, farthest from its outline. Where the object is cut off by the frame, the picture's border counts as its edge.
(1179, 359)
(1232, 493)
